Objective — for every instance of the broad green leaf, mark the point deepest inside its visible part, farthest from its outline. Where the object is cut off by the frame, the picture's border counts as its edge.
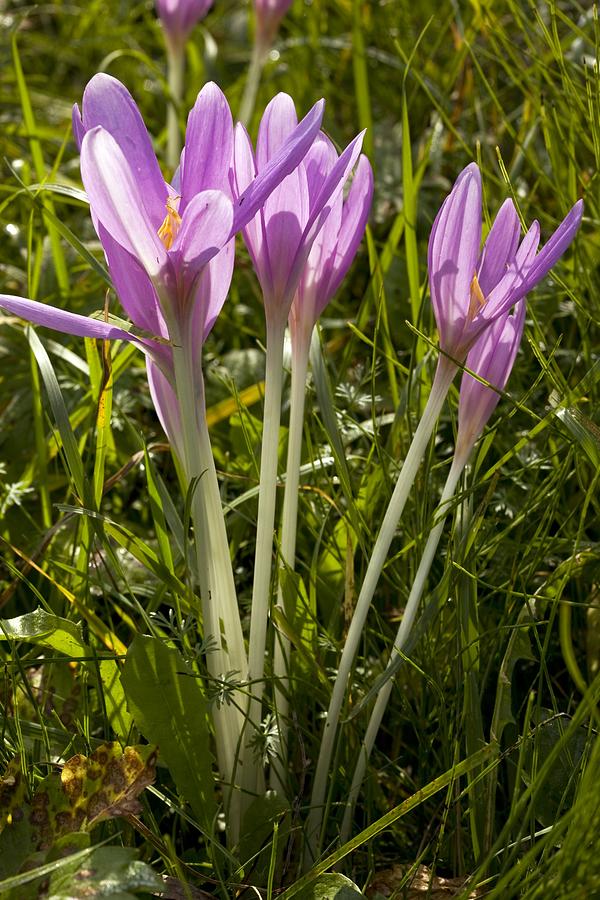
(46, 630)
(113, 872)
(331, 887)
(169, 708)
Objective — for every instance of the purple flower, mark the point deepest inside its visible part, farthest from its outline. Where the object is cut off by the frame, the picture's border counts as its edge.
(281, 236)
(169, 247)
(178, 17)
(269, 14)
(335, 245)
(471, 288)
(492, 357)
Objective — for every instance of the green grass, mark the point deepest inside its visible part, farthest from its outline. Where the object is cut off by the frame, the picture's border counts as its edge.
(488, 756)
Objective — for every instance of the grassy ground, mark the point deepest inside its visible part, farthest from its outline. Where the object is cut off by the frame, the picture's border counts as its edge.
(502, 689)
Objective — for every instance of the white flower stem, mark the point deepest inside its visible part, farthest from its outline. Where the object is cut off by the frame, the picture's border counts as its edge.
(220, 613)
(404, 632)
(175, 72)
(445, 373)
(263, 560)
(255, 68)
(289, 524)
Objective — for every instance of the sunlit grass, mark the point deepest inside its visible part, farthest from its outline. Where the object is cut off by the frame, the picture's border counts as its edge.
(506, 661)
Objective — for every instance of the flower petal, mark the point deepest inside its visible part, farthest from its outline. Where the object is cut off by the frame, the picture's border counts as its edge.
(453, 253)
(285, 161)
(244, 172)
(77, 123)
(323, 204)
(208, 145)
(211, 292)
(116, 200)
(513, 285)
(500, 247)
(205, 228)
(492, 357)
(556, 246)
(61, 320)
(108, 103)
(134, 289)
(276, 126)
(357, 207)
(165, 404)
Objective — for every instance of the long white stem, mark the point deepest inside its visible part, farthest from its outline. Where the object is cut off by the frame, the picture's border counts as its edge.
(404, 631)
(443, 378)
(175, 72)
(219, 601)
(263, 559)
(257, 62)
(289, 524)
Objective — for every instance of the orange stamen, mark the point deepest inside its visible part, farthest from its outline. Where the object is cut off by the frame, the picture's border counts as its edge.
(477, 299)
(170, 226)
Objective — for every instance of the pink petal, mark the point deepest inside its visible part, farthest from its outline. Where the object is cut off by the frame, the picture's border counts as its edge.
(108, 103)
(208, 145)
(116, 200)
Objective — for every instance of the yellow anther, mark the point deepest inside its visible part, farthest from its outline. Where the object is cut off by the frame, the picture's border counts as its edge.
(170, 226)
(477, 298)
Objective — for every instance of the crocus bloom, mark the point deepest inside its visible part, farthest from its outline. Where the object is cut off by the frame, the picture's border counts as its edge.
(470, 288)
(280, 237)
(269, 14)
(178, 17)
(334, 248)
(169, 247)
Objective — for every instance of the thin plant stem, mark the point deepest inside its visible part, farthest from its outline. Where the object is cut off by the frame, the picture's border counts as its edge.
(175, 73)
(263, 559)
(404, 632)
(289, 523)
(445, 373)
(257, 63)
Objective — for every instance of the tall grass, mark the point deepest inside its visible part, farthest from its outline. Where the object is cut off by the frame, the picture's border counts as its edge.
(486, 766)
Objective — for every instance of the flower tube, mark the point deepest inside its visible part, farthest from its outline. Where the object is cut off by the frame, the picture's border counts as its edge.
(328, 262)
(177, 17)
(268, 15)
(280, 239)
(491, 358)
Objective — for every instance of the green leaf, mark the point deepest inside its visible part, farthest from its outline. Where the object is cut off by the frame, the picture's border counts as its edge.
(46, 630)
(331, 887)
(113, 872)
(169, 708)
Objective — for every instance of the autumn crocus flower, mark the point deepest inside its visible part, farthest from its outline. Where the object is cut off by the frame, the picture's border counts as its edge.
(491, 358)
(471, 288)
(168, 247)
(170, 254)
(178, 17)
(281, 236)
(269, 14)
